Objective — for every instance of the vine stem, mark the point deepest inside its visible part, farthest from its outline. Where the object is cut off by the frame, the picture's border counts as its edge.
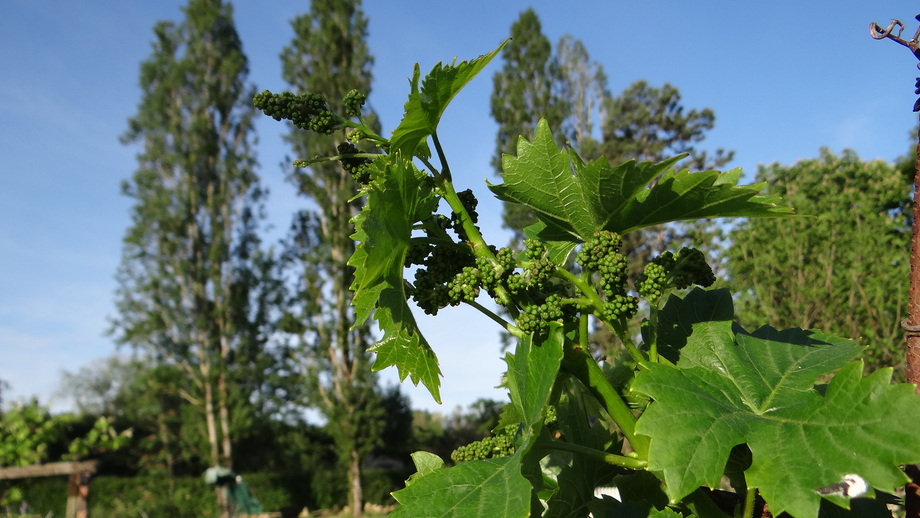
(595, 301)
(497, 319)
(609, 458)
(749, 498)
(652, 335)
(473, 235)
(582, 366)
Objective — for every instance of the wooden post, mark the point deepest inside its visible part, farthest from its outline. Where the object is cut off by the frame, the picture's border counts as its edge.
(912, 324)
(78, 495)
(77, 488)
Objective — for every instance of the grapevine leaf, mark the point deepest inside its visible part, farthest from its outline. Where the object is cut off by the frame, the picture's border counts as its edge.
(491, 488)
(675, 320)
(425, 463)
(399, 196)
(558, 251)
(758, 389)
(532, 372)
(575, 199)
(425, 107)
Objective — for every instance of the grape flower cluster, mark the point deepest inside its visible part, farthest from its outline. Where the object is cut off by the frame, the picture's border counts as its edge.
(306, 111)
(499, 445)
(669, 271)
(600, 256)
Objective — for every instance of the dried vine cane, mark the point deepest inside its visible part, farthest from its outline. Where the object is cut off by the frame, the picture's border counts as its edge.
(911, 325)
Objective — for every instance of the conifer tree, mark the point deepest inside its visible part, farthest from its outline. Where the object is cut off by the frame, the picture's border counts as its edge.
(523, 92)
(329, 55)
(188, 276)
(570, 90)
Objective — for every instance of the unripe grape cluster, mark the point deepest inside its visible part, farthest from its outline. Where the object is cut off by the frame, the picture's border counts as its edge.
(353, 102)
(669, 271)
(355, 166)
(306, 111)
(600, 256)
(435, 286)
(499, 445)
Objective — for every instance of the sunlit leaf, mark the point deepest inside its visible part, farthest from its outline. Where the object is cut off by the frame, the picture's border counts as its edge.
(574, 199)
(759, 389)
(491, 488)
(425, 106)
(399, 196)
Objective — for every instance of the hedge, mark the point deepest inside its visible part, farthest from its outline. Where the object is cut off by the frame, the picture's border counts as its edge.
(118, 497)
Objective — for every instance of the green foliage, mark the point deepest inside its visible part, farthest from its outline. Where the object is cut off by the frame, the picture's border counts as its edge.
(693, 397)
(843, 267)
(730, 387)
(44, 496)
(404, 195)
(619, 199)
(493, 486)
(328, 61)
(26, 431)
(195, 290)
(102, 437)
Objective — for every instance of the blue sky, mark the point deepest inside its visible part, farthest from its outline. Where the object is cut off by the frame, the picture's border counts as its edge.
(784, 78)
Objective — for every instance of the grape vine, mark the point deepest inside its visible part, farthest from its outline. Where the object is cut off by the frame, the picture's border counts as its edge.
(719, 405)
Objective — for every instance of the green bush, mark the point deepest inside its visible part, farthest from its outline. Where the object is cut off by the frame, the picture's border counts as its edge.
(43, 495)
(162, 497)
(157, 497)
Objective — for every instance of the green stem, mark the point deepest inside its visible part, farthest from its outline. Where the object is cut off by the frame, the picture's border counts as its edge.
(476, 241)
(369, 134)
(583, 286)
(652, 336)
(497, 319)
(749, 498)
(445, 169)
(609, 458)
(634, 351)
(595, 301)
(300, 164)
(581, 365)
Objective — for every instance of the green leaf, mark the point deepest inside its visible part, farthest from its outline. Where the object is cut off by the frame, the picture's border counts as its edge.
(676, 318)
(574, 199)
(532, 372)
(425, 107)
(491, 488)
(758, 389)
(399, 196)
(425, 463)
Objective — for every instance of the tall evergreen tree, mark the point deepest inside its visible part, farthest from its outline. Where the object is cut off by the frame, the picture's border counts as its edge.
(583, 83)
(524, 91)
(186, 277)
(570, 90)
(329, 55)
(648, 123)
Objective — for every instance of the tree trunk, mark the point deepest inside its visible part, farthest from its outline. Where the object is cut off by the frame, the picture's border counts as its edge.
(209, 415)
(226, 443)
(223, 505)
(354, 480)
